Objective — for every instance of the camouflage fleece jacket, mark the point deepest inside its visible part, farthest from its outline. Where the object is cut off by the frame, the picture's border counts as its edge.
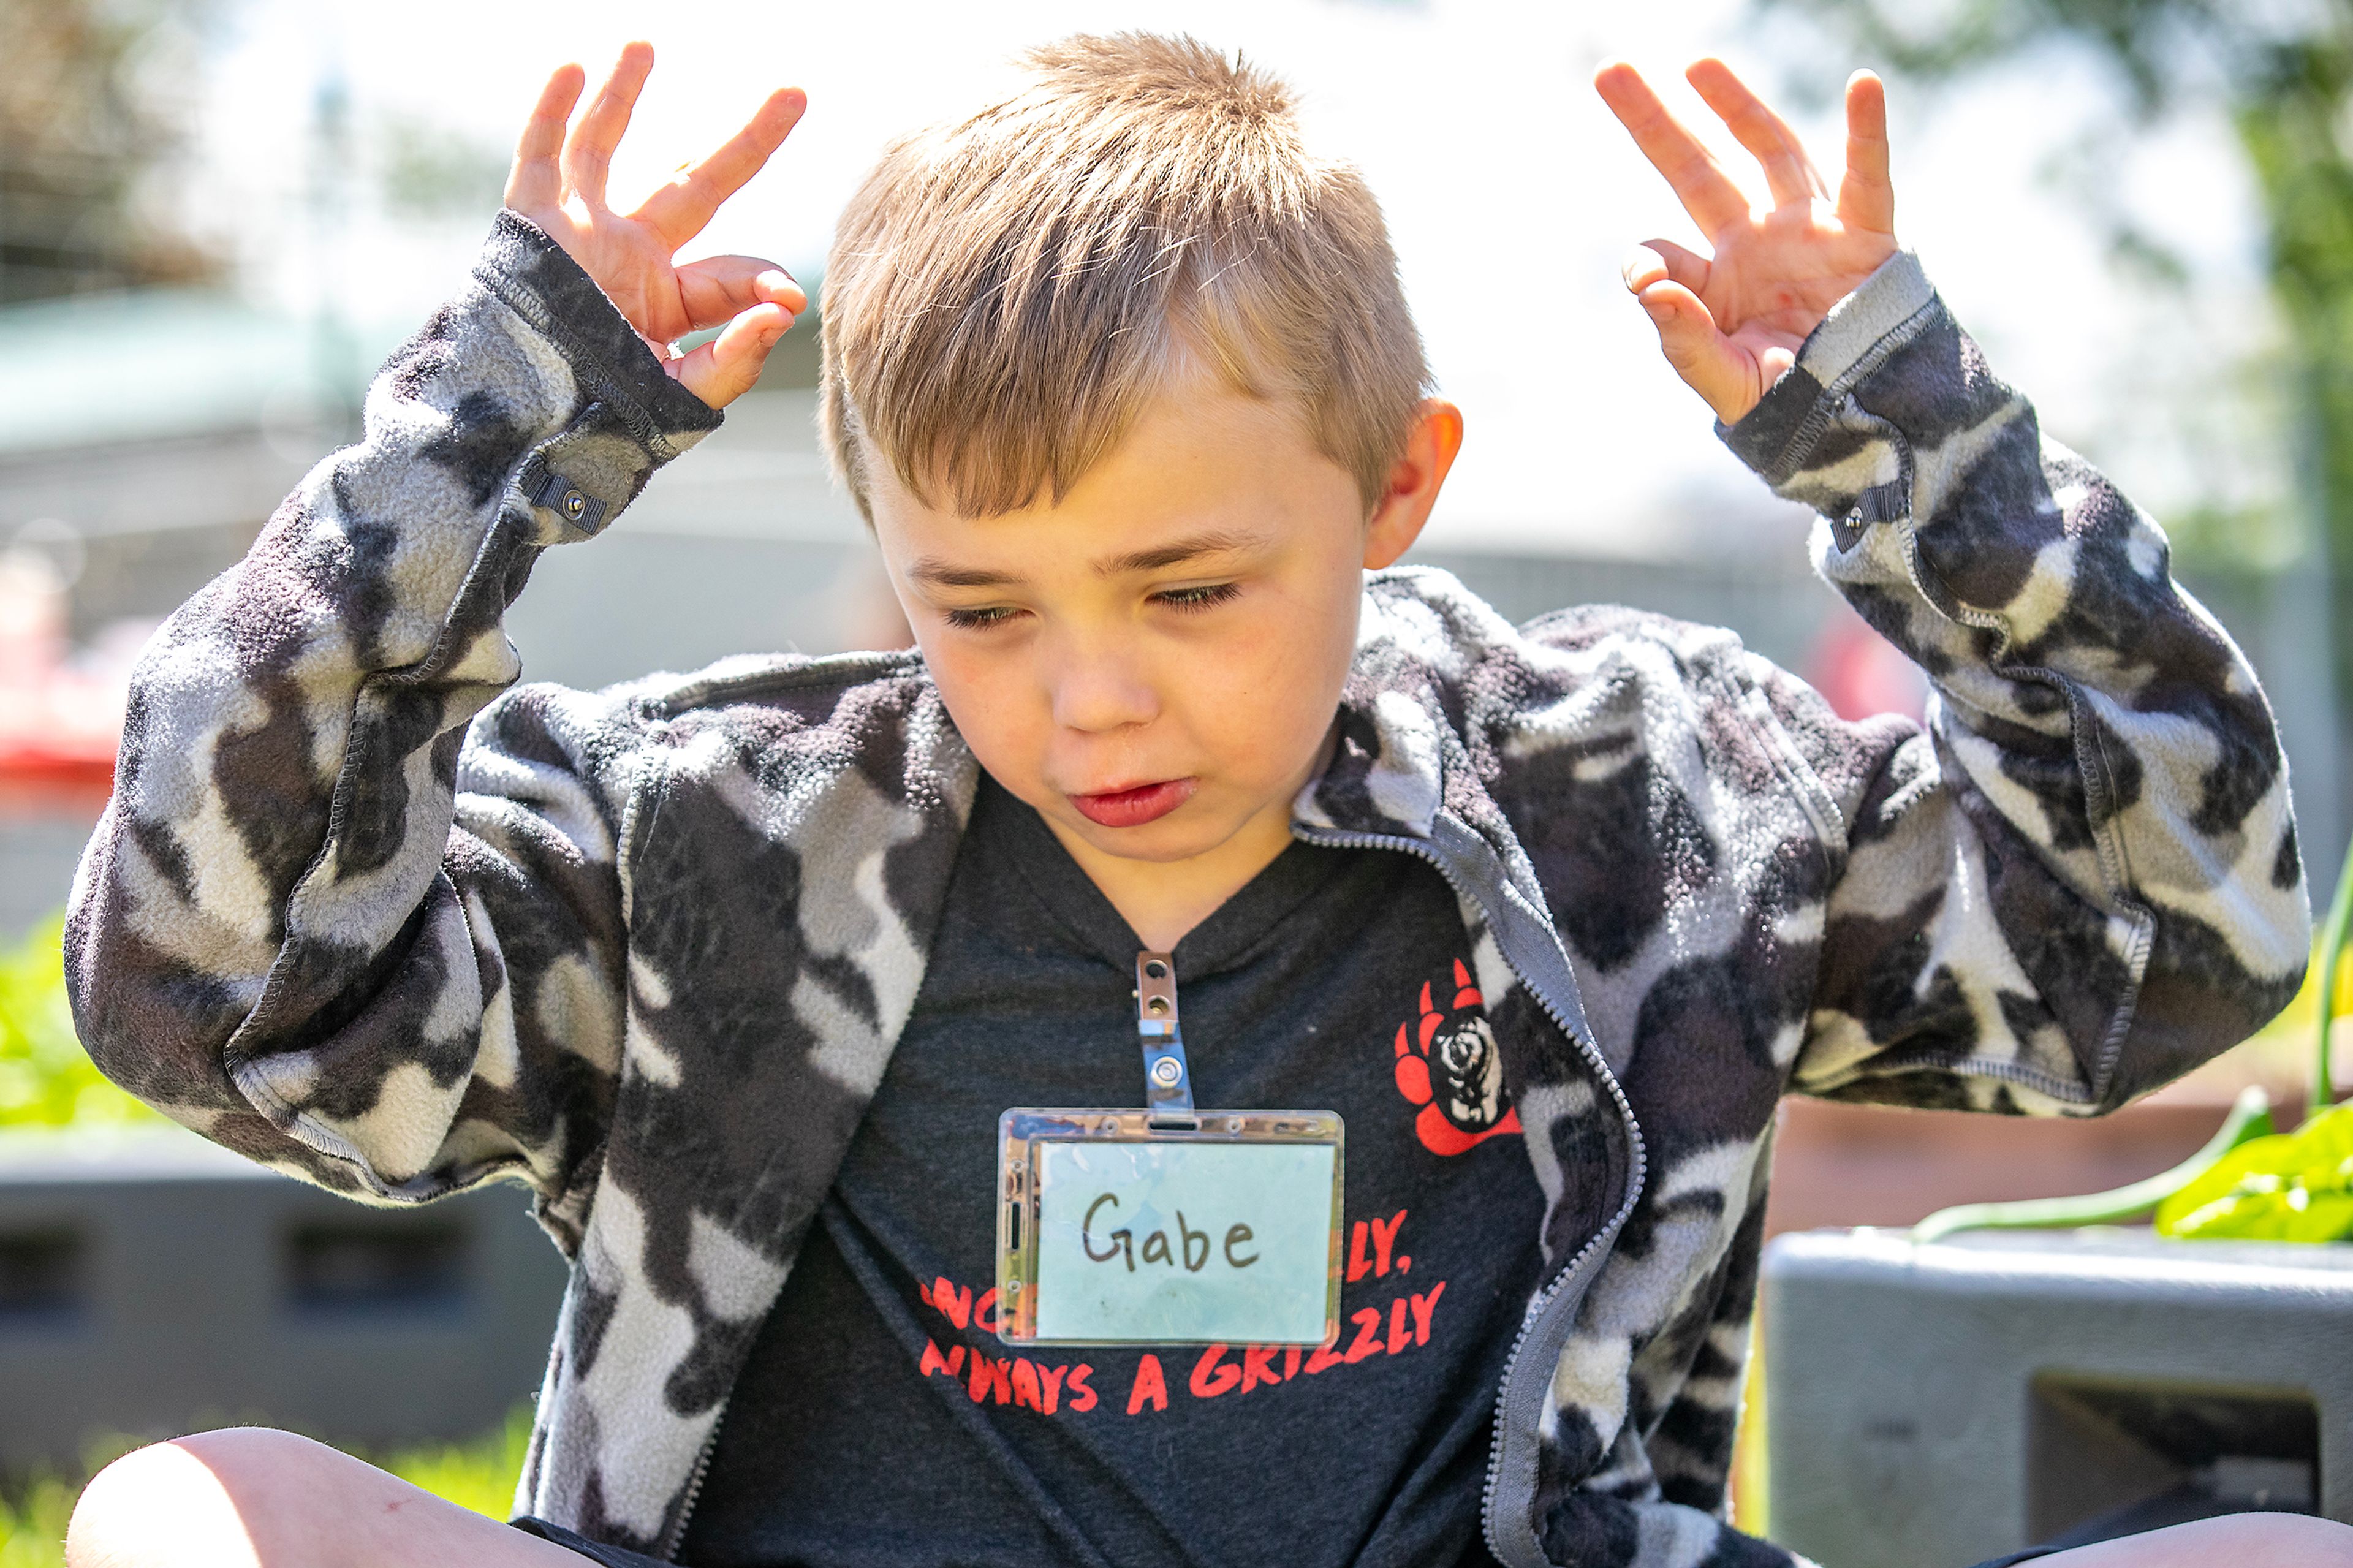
(367, 911)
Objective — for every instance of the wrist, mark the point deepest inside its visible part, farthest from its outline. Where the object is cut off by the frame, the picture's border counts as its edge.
(533, 273)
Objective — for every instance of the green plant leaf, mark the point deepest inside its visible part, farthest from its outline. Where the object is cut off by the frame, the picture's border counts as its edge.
(2296, 1187)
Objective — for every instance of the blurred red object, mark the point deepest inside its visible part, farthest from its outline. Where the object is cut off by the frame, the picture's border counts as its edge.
(1861, 672)
(59, 722)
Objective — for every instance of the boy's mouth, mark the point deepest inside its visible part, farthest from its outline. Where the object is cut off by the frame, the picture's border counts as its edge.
(1135, 807)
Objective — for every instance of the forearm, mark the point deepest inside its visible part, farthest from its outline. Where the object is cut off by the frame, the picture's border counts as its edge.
(2102, 790)
(270, 873)
(1592, 1527)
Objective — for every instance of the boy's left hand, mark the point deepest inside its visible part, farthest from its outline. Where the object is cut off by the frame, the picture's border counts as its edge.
(558, 183)
(1730, 324)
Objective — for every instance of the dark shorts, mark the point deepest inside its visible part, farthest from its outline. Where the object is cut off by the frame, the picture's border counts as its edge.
(595, 1551)
(616, 1557)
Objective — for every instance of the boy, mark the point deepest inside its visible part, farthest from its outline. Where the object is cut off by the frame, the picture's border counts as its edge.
(736, 970)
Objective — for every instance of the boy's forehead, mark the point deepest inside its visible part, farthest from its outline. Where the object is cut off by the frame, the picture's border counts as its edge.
(1200, 474)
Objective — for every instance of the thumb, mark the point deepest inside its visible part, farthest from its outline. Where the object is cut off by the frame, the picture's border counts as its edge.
(728, 366)
(1706, 358)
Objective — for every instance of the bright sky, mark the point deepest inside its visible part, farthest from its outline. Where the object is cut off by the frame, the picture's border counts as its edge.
(1512, 194)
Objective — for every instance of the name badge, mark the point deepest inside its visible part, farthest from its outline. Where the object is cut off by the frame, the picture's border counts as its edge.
(1116, 1228)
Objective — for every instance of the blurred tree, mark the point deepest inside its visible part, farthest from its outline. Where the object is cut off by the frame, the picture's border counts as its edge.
(2283, 69)
(87, 121)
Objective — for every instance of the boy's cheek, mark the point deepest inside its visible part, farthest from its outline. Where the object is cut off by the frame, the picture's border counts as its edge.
(992, 712)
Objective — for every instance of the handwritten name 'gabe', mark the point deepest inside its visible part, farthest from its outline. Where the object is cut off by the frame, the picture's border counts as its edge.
(1194, 1245)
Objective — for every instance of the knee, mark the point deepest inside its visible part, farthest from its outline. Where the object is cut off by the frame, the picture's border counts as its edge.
(2296, 1540)
(191, 1503)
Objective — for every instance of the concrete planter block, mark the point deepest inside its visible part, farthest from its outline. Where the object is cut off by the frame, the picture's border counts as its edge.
(152, 1283)
(1948, 1403)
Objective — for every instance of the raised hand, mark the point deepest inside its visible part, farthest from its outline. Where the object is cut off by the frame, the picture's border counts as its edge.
(1731, 322)
(558, 183)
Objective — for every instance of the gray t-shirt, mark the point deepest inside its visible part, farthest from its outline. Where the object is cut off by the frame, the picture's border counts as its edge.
(881, 1424)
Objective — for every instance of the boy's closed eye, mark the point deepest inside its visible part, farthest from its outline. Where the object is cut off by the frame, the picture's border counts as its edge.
(1207, 596)
(979, 619)
(1188, 600)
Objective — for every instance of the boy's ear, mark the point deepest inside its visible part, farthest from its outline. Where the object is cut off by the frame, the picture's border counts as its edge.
(1414, 481)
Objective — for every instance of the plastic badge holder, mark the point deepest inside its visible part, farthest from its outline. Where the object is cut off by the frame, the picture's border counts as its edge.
(1167, 1225)
(1114, 1230)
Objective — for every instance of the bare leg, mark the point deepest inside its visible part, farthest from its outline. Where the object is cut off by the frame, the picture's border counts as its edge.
(2236, 1541)
(252, 1498)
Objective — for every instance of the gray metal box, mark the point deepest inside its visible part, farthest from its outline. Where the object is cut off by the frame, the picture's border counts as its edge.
(1928, 1407)
(154, 1284)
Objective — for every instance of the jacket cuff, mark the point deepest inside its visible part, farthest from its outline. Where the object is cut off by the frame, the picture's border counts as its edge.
(536, 278)
(1886, 310)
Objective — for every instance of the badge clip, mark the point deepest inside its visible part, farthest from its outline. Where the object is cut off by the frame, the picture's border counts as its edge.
(1167, 1077)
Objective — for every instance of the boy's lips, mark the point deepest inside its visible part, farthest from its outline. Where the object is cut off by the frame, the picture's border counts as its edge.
(1135, 807)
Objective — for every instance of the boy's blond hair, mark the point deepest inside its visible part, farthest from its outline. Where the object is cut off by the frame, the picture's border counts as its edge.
(1006, 294)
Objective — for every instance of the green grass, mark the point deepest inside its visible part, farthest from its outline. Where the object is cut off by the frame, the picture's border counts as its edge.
(45, 1080)
(478, 1474)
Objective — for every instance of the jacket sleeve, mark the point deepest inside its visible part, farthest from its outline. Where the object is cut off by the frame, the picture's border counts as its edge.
(2080, 879)
(321, 922)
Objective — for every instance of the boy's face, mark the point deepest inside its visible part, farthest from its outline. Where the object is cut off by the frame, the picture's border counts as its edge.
(1154, 662)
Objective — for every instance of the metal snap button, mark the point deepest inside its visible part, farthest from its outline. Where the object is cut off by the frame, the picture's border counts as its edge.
(1166, 1072)
(574, 504)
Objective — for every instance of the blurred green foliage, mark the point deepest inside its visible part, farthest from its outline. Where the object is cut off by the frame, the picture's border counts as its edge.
(2296, 1187)
(46, 1078)
(480, 1475)
(33, 1524)
(2284, 74)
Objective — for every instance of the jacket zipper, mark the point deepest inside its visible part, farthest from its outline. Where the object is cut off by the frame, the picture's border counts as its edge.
(676, 1536)
(1581, 1034)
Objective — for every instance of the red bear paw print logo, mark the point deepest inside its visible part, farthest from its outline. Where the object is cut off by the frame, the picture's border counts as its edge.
(1449, 1065)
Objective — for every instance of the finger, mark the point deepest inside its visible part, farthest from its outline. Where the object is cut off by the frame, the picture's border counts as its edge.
(728, 366)
(720, 288)
(535, 183)
(1866, 195)
(588, 150)
(1654, 260)
(679, 210)
(1702, 355)
(1706, 191)
(1789, 173)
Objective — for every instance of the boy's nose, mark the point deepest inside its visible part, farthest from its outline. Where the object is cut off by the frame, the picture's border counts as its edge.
(1095, 691)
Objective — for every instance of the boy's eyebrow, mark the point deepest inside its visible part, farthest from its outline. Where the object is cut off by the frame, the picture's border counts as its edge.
(940, 573)
(1217, 541)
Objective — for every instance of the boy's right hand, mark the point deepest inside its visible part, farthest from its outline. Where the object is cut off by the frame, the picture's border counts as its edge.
(558, 183)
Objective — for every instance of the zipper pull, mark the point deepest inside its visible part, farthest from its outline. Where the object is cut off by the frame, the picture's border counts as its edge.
(1167, 1078)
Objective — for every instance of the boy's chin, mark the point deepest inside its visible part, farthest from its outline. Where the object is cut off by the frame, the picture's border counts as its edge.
(1193, 829)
